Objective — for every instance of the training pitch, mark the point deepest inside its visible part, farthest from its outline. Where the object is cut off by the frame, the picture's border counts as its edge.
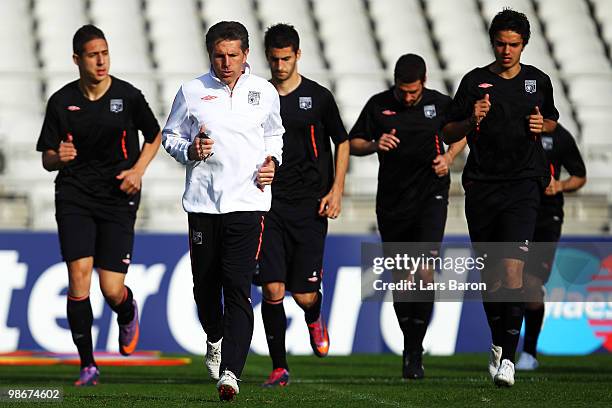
(355, 381)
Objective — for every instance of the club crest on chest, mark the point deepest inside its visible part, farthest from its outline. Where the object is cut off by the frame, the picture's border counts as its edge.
(254, 97)
(429, 111)
(530, 86)
(305, 102)
(116, 105)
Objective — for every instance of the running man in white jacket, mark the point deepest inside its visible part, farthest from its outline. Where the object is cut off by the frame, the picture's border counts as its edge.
(225, 126)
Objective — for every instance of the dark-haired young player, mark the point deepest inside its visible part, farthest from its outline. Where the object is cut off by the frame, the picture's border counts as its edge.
(401, 125)
(90, 134)
(504, 108)
(306, 191)
(561, 151)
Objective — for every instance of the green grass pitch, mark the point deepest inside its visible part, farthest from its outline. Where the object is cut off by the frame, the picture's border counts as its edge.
(354, 381)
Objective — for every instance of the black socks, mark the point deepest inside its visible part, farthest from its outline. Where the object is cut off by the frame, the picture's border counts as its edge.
(80, 319)
(533, 325)
(125, 309)
(275, 324)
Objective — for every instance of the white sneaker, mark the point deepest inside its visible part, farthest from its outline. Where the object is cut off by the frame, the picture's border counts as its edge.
(494, 360)
(228, 386)
(213, 358)
(527, 362)
(505, 374)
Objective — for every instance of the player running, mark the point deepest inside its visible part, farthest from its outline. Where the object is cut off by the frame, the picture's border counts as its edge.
(306, 191)
(90, 135)
(561, 151)
(401, 125)
(504, 108)
(226, 195)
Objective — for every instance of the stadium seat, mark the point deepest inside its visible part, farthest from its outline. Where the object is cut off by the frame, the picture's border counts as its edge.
(123, 24)
(345, 31)
(243, 12)
(398, 38)
(57, 21)
(17, 55)
(603, 13)
(177, 37)
(355, 90)
(295, 13)
(591, 90)
(21, 92)
(449, 22)
(579, 49)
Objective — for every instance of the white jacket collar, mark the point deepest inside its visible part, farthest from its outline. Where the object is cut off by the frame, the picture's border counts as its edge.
(245, 73)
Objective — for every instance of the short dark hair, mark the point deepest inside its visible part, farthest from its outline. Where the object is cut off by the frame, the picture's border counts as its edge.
(85, 34)
(227, 31)
(281, 36)
(409, 68)
(510, 20)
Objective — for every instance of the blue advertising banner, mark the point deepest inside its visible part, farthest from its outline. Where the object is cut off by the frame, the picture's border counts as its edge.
(33, 283)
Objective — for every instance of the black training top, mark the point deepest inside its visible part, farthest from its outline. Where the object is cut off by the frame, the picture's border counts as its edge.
(561, 151)
(105, 135)
(502, 147)
(405, 175)
(310, 118)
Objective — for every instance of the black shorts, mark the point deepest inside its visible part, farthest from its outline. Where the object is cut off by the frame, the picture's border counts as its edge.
(292, 247)
(89, 229)
(426, 225)
(546, 236)
(502, 212)
(224, 248)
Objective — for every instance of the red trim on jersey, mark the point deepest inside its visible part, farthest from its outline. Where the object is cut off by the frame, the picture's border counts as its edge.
(314, 143)
(125, 155)
(438, 145)
(552, 170)
(260, 239)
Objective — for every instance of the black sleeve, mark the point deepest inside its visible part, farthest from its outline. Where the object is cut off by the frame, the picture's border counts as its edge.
(571, 159)
(50, 136)
(143, 117)
(445, 104)
(462, 104)
(365, 127)
(548, 108)
(332, 121)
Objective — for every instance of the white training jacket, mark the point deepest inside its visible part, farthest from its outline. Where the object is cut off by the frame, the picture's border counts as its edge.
(246, 127)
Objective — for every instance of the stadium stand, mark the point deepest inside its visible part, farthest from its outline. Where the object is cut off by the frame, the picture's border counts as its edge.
(349, 46)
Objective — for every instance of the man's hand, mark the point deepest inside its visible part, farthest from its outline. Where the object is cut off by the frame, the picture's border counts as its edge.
(536, 121)
(66, 152)
(265, 174)
(388, 141)
(131, 181)
(481, 109)
(201, 148)
(441, 164)
(554, 187)
(331, 204)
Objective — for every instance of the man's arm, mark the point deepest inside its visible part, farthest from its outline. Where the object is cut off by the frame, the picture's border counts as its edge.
(570, 184)
(443, 162)
(176, 136)
(274, 130)
(386, 142)
(331, 204)
(56, 159)
(455, 131)
(132, 178)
